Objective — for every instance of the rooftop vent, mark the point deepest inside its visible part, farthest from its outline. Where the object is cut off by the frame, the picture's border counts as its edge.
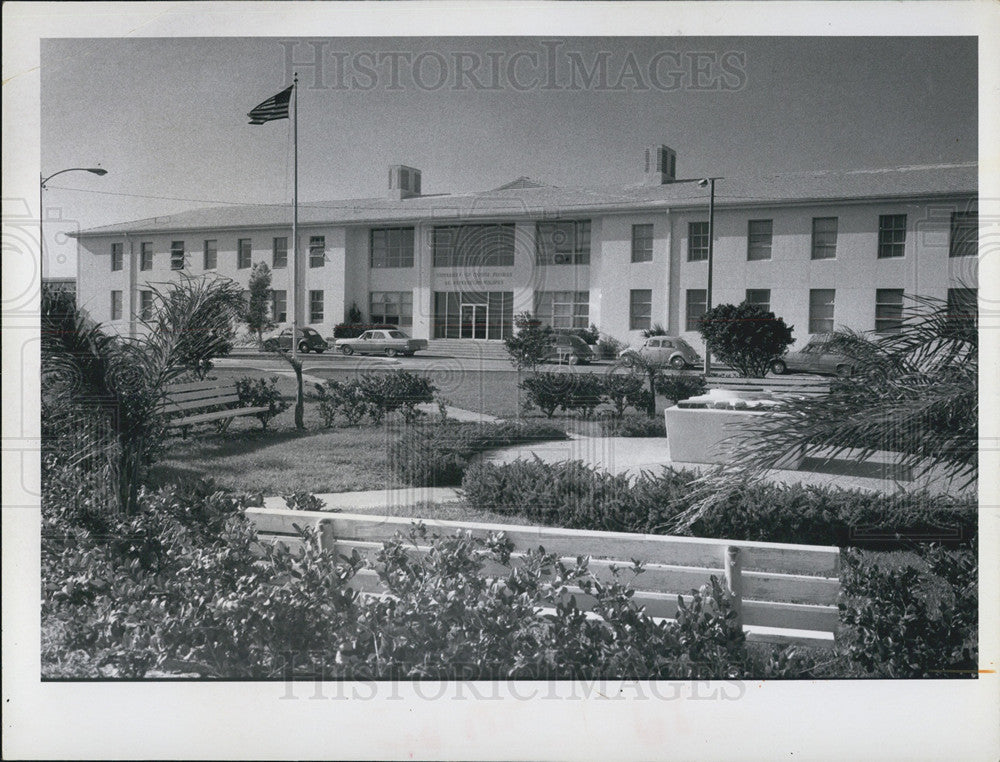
(404, 182)
(661, 165)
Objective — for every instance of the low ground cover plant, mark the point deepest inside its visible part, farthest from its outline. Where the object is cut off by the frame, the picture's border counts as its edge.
(633, 426)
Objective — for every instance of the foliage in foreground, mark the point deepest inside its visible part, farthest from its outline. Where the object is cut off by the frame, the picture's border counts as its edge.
(531, 342)
(260, 392)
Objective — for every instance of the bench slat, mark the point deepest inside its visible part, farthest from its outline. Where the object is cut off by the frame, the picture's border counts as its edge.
(220, 415)
(172, 407)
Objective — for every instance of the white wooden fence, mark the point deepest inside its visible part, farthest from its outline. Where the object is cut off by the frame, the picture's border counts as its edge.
(782, 593)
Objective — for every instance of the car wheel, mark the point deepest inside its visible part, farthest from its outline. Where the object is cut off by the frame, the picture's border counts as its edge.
(778, 367)
(347, 350)
(677, 362)
(571, 359)
(303, 348)
(844, 371)
(390, 352)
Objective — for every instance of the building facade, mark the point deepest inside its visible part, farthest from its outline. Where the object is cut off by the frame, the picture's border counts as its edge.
(821, 250)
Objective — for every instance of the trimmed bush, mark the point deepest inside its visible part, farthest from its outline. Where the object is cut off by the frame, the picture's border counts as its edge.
(399, 390)
(677, 387)
(342, 398)
(583, 392)
(260, 392)
(608, 347)
(625, 391)
(633, 426)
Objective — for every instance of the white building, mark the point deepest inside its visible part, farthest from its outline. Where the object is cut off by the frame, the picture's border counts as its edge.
(819, 249)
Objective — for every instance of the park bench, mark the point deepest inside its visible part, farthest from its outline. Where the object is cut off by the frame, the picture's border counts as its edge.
(782, 593)
(189, 404)
(803, 386)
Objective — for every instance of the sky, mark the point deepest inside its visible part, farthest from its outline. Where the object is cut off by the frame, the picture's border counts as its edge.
(167, 117)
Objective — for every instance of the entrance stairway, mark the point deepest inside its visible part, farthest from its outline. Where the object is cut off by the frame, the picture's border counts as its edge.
(468, 349)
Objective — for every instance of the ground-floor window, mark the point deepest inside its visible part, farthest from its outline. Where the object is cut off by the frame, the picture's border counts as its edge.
(563, 309)
(962, 305)
(279, 306)
(473, 314)
(888, 310)
(640, 309)
(695, 307)
(391, 308)
(116, 305)
(315, 306)
(821, 302)
(146, 305)
(761, 297)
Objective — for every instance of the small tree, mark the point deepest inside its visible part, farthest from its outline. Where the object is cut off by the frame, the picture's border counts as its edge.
(531, 344)
(258, 316)
(746, 337)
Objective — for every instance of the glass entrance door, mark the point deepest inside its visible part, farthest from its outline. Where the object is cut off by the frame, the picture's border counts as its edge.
(474, 321)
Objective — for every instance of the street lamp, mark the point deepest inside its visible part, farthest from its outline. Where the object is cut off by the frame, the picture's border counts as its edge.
(99, 171)
(707, 182)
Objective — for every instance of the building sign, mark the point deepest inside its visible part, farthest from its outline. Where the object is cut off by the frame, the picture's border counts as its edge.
(474, 280)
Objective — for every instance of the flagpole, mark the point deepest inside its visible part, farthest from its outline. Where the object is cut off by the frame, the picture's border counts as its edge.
(295, 218)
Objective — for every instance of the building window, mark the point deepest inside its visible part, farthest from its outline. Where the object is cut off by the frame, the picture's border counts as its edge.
(563, 243)
(146, 305)
(824, 240)
(891, 235)
(760, 296)
(177, 255)
(758, 240)
(392, 247)
(279, 306)
(317, 251)
(640, 308)
(117, 256)
(315, 306)
(243, 253)
(697, 241)
(116, 305)
(473, 314)
(563, 309)
(391, 308)
(964, 234)
(279, 252)
(211, 254)
(963, 305)
(472, 246)
(821, 310)
(888, 310)
(642, 243)
(146, 255)
(697, 305)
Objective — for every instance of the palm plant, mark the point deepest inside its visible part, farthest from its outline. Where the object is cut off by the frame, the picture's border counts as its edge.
(119, 384)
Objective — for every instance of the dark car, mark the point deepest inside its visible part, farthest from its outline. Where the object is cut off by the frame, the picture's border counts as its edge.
(815, 357)
(309, 341)
(569, 349)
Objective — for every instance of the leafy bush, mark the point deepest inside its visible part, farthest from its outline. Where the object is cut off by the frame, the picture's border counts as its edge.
(545, 391)
(342, 398)
(374, 395)
(625, 391)
(584, 394)
(678, 387)
(531, 343)
(910, 621)
(633, 426)
(260, 392)
(303, 501)
(608, 347)
(348, 330)
(745, 336)
(437, 454)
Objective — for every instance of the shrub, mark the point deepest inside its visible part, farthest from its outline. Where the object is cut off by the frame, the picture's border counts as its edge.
(303, 501)
(584, 393)
(910, 621)
(437, 454)
(677, 387)
(633, 426)
(589, 336)
(348, 330)
(625, 391)
(342, 398)
(399, 390)
(531, 343)
(545, 391)
(260, 392)
(745, 336)
(608, 347)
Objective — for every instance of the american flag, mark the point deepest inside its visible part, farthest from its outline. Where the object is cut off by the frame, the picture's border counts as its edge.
(275, 107)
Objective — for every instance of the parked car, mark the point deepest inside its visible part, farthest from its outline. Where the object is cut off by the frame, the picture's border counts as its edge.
(815, 357)
(388, 342)
(309, 341)
(569, 349)
(667, 350)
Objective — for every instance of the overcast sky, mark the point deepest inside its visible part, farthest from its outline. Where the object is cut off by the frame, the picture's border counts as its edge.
(167, 117)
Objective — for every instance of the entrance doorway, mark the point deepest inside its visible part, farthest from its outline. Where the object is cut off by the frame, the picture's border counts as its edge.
(474, 321)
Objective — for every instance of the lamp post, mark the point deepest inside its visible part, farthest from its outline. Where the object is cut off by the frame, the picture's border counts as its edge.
(100, 172)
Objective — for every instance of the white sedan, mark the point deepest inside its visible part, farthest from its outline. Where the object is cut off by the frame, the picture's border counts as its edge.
(381, 342)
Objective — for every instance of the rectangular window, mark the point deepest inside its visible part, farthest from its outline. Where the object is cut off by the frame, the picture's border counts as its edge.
(473, 246)
(317, 250)
(697, 241)
(888, 310)
(640, 308)
(563, 309)
(760, 296)
(392, 247)
(243, 253)
(963, 305)
(146, 305)
(211, 254)
(315, 306)
(117, 256)
(279, 253)
(563, 243)
(146, 255)
(821, 310)
(758, 240)
(457, 314)
(964, 234)
(177, 255)
(391, 308)
(116, 305)
(891, 235)
(279, 306)
(697, 303)
(824, 239)
(642, 243)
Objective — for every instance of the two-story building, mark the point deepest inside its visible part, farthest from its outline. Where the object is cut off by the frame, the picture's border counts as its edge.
(826, 249)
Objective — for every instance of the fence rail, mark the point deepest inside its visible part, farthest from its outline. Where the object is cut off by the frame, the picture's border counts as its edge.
(782, 593)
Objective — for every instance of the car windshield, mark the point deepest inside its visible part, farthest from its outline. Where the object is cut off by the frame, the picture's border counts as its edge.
(397, 335)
